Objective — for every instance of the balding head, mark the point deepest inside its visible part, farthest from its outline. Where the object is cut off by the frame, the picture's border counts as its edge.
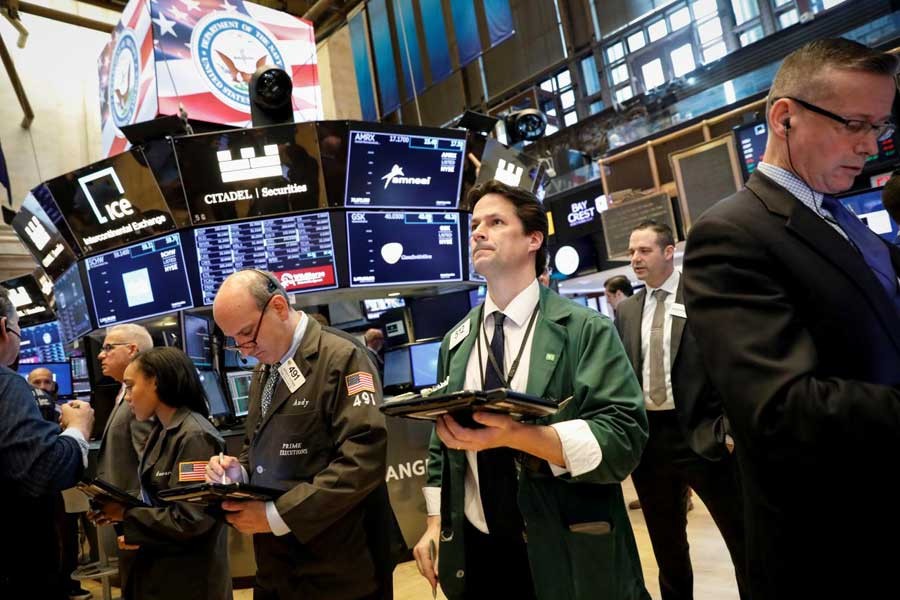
(375, 339)
(239, 312)
(121, 344)
(42, 379)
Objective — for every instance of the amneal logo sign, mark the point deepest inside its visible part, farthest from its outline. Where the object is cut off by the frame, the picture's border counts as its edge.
(396, 176)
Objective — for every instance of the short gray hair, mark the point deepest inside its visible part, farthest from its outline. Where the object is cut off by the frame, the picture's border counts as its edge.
(133, 334)
(800, 75)
(7, 308)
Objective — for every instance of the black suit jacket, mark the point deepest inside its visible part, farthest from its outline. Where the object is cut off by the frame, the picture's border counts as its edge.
(802, 342)
(698, 406)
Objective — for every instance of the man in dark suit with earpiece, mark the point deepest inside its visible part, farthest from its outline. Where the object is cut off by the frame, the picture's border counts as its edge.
(796, 306)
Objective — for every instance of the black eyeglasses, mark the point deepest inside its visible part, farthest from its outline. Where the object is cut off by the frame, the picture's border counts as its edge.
(248, 346)
(853, 126)
(11, 330)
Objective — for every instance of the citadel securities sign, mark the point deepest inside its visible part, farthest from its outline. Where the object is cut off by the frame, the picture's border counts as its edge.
(200, 54)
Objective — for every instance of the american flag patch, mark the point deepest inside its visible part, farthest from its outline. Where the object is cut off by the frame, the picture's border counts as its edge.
(192, 471)
(360, 382)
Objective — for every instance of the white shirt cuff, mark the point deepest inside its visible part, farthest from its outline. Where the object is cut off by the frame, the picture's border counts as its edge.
(244, 475)
(276, 523)
(580, 449)
(76, 435)
(432, 501)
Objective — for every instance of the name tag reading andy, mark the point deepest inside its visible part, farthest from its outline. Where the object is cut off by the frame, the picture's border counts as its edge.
(459, 334)
(678, 310)
(291, 375)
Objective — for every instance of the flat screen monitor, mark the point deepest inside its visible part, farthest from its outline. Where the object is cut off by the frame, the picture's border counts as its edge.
(236, 360)
(215, 397)
(72, 305)
(375, 307)
(403, 247)
(42, 239)
(41, 343)
(886, 157)
(112, 202)
(434, 316)
(27, 296)
(139, 281)
(404, 167)
(751, 143)
(476, 296)
(255, 172)
(577, 215)
(80, 368)
(575, 257)
(197, 339)
(239, 390)
(868, 207)
(297, 249)
(424, 358)
(467, 248)
(397, 369)
(61, 371)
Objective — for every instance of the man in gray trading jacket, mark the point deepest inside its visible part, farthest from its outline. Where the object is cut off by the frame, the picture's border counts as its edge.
(532, 510)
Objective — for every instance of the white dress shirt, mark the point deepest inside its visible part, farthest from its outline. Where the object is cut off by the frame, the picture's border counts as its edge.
(670, 285)
(581, 451)
(276, 523)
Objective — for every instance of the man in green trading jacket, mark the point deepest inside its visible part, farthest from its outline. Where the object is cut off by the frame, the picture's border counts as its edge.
(532, 510)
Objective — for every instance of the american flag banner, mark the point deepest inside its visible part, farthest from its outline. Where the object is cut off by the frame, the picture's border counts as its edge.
(127, 77)
(192, 471)
(359, 382)
(203, 55)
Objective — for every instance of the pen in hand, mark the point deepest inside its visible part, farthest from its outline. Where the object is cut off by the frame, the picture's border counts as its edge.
(225, 480)
(432, 554)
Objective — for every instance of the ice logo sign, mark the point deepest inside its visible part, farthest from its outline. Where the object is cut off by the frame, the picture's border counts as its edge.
(113, 210)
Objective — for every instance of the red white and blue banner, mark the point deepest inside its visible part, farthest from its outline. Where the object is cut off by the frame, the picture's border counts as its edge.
(203, 55)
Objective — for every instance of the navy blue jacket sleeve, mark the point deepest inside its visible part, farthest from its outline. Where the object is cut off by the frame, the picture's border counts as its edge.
(34, 459)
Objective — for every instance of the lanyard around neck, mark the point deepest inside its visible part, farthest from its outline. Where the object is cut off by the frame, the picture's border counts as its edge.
(506, 380)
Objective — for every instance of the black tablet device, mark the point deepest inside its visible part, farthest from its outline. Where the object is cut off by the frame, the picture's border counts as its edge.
(103, 491)
(211, 493)
(461, 404)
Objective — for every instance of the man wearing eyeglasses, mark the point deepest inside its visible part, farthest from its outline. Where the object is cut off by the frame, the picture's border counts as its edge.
(36, 463)
(313, 430)
(796, 307)
(123, 436)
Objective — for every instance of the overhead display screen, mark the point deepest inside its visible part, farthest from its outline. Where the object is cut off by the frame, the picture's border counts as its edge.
(61, 372)
(510, 167)
(751, 141)
(42, 239)
(867, 205)
(139, 281)
(404, 170)
(403, 247)
(28, 298)
(298, 250)
(112, 202)
(41, 343)
(250, 172)
(71, 305)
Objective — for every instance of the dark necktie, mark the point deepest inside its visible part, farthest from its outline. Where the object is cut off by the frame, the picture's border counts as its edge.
(873, 249)
(497, 476)
(269, 388)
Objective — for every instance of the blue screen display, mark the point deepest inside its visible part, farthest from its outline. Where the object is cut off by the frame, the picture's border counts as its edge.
(403, 247)
(403, 170)
(868, 207)
(396, 367)
(42, 343)
(197, 340)
(751, 141)
(71, 305)
(424, 363)
(215, 396)
(62, 374)
(139, 281)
